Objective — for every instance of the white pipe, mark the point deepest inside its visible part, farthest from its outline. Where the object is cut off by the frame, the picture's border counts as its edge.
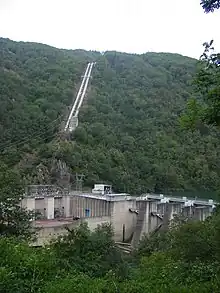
(84, 91)
(77, 97)
(80, 90)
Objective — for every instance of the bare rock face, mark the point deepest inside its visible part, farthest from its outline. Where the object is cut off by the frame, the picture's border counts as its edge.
(60, 174)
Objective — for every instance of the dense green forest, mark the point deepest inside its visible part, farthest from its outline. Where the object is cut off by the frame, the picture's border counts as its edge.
(129, 135)
(129, 132)
(182, 260)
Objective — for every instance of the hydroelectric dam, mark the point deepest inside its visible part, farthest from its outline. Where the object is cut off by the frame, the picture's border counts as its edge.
(131, 217)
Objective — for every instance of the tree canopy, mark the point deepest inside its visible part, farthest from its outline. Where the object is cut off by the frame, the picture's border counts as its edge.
(183, 259)
(129, 133)
(204, 107)
(15, 220)
(210, 5)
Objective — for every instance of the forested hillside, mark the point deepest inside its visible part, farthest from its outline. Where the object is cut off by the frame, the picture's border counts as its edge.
(129, 133)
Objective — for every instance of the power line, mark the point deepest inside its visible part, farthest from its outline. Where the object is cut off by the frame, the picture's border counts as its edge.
(34, 135)
(51, 123)
(48, 127)
(25, 141)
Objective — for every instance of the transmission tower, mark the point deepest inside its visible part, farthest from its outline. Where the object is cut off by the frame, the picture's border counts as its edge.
(79, 181)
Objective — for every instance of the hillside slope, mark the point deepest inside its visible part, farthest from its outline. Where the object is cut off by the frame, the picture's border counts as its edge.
(129, 134)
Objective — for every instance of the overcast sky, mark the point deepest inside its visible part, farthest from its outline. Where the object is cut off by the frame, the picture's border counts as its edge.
(133, 26)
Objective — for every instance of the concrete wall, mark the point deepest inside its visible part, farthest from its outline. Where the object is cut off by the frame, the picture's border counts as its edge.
(120, 216)
(126, 224)
(47, 233)
(28, 203)
(89, 207)
(40, 207)
(68, 206)
(49, 205)
(147, 221)
(94, 222)
(201, 213)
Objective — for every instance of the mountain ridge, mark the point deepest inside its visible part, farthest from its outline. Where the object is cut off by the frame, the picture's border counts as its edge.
(129, 134)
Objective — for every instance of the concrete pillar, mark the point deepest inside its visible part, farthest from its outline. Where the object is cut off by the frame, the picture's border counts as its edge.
(85, 206)
(111, 208)
(197, 214)
(154, 221)
(88, 207)
(66, 205)
(96, 208)
(123, 219)
(30, 203)
(167, 216)
(147, 219)
(79, 207)
(73, 207)
(76, 209)
(142, 222)
(188, 211)
(106, 208)
(176, 210)
(82, 207)
(79, 204)
(99, 208)
(207, 211)
(24, 203)
(49, 205)
(92, 208)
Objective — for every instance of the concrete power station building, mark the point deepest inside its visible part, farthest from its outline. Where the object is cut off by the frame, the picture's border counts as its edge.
(131, 217)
